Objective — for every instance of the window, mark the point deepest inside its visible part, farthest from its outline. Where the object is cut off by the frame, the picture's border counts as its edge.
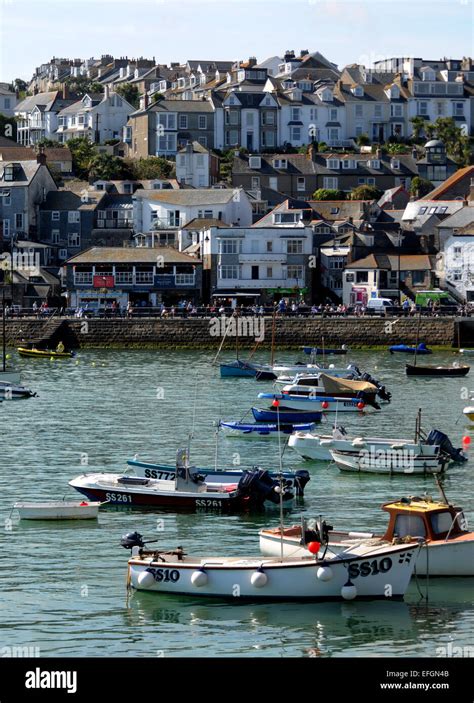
(377, 110)
(280, 163)
(232, 137)
(457, 251)
(373, 163)
(268, 117)
(173, 218)
(8, 173)
(202, 122)
(458, 109)
(5, 198)
(295, 114)
(295, 134)
(440, 109)
(200, 161)
(273, 182)
(227, 271)
(62, 254)
(7, 103)
(55, 236)
(441, 522)
(74, 239)
(6, 228)
(409, 525)
(183, 121)
(19, 221)
(73, 216)
(269, 272)
(255, 182)
(269, 246)
(332, 163)
(167, 120)
(397, 110)
(294, 246)
(333, 114)
(229, 246)
(267, 139)
(329, 182)
(417, 277)
(371, 181)
(295, 272)
(423, 108)
(422, 210)
(432, 210)
(334, 210)
(167, 143)
(301, 184)
(362, 277)
(249, 119)
(395, 164)
(128, 188)
(80, 119)
(359, 110)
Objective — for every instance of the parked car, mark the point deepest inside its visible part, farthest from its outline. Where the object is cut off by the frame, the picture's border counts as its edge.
(380, 306)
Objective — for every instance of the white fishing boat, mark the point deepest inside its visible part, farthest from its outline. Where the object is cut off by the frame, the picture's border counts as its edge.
(325, 404)
(318, 446)
(12, 391)
(360, 572)
(58, 510)
(389, 461)
(447, 549)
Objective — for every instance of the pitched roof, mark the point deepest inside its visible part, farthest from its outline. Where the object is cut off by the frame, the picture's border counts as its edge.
(393, 262)
(453, 180)
(29, 170)
(461, 218)
(148, 255)
(204, 223)
(195, 196)
(61, 200)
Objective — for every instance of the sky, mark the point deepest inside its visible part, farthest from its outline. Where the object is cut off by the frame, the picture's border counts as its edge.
(353, 31)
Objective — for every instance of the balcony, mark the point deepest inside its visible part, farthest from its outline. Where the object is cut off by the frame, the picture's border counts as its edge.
(167, 281)
(165, 223)
(341, 143)
(271, 257)
(260, 283)
(81, 279)
(114, 224)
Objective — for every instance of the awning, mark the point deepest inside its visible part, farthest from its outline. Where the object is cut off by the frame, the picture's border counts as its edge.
(234, 294)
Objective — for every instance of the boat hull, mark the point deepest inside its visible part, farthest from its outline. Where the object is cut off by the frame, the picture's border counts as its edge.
(286, 416)
(405, 349)
(44, 353)
(9, 391)
(264, 429)
(318, 447)
(324, 404)
(383, 462)
(58, 510)
(444, 371)
(269, 579)
(469, 413)
(452, 558)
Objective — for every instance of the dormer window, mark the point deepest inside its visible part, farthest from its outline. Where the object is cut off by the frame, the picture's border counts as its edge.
(280, 163)
(358, 91)
(334, 210)
(395, 164)
(255, 162)
(332, 163)
(373, 163)
(8, 173)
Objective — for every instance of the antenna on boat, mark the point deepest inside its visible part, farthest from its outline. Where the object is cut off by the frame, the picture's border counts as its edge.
(441, 489)
(277, 403)
(191, 434)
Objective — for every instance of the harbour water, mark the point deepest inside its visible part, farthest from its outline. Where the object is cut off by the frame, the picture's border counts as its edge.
(63, 585)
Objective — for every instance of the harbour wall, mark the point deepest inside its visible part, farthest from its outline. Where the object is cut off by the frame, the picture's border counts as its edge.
(365, 332)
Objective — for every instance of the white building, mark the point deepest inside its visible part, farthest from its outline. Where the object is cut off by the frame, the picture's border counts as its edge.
(193, 166)
(38, 116)
(8, 101)
(172, 209)
(96, 117)
(455, 262)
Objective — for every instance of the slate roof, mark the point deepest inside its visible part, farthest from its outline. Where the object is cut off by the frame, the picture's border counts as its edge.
(195, 196)
(124, 255)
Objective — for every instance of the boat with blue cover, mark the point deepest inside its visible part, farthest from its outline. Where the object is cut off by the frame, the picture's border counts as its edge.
(262, 429)
(406, 349)
(271, 415)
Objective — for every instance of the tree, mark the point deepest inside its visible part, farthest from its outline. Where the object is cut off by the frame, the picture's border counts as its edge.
(130, 93)
(50, 143)
(152, 167)
(8, 127)
(418, 127)
(81, 85)
(366, 192)
(108, 168)
(420, 186)
(328, 194)
(456, 142)
(395, 148)
(363, 140)
(430, 130)
(83, 151)
(20, 85)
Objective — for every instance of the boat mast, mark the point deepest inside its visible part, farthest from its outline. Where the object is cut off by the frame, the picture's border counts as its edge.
(281, 480)
(417, 336)
(4, 348)
(272, 353)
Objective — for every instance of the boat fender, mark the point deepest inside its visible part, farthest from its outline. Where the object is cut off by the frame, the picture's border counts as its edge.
(324, 573)
(348, 591)
(259, 579)
(199, 578)
(397, 446)
(145, 579)
(358, 442)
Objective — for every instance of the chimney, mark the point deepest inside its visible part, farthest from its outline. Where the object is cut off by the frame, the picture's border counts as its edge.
(378, 153)
(41, 156)
(414, 153)
(106, 91)
(65, 91)
(252, 61)
(304, 52)
(146, 100)
(311, 153)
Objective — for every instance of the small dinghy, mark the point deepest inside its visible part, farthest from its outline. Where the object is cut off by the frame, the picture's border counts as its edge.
(406, 349)
(394, 461)
(58, 510)
(324, 404)
(286, 416)
(240, 369)
(357, 573)
(442, 371)
(44, 353)
(265, 429)
(447, 550)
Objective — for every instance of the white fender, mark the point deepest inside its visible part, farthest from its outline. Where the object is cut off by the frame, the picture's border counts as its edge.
(145, 579)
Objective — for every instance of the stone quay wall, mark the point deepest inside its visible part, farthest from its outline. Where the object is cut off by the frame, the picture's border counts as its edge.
(364, 332)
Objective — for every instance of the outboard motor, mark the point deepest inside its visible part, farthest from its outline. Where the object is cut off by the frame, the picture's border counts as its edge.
(132, 539)
(301, 479)
(259, 486)
(362, 395)
(437, 437)
(383, 393)
(316, 531)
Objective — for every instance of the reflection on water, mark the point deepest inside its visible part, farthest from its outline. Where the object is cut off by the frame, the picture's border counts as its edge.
(67, 580)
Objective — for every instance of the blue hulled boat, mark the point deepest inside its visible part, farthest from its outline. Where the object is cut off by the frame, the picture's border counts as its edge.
(267, 429)
(406, 349)
(286, 416)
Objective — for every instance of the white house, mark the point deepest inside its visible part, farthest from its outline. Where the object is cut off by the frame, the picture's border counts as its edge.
(172, 209)
(258, 262)
(333, 259)
(97, 117)
(8, 101)
(455, 262)
(37, 116)
(193, 165)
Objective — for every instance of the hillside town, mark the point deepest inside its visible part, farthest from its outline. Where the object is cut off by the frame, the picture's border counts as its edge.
(128, 184)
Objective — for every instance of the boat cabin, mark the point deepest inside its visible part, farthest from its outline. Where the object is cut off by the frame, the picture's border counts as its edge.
(417, 517)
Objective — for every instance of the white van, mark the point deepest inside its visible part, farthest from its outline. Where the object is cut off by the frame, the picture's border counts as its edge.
(379, 306)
